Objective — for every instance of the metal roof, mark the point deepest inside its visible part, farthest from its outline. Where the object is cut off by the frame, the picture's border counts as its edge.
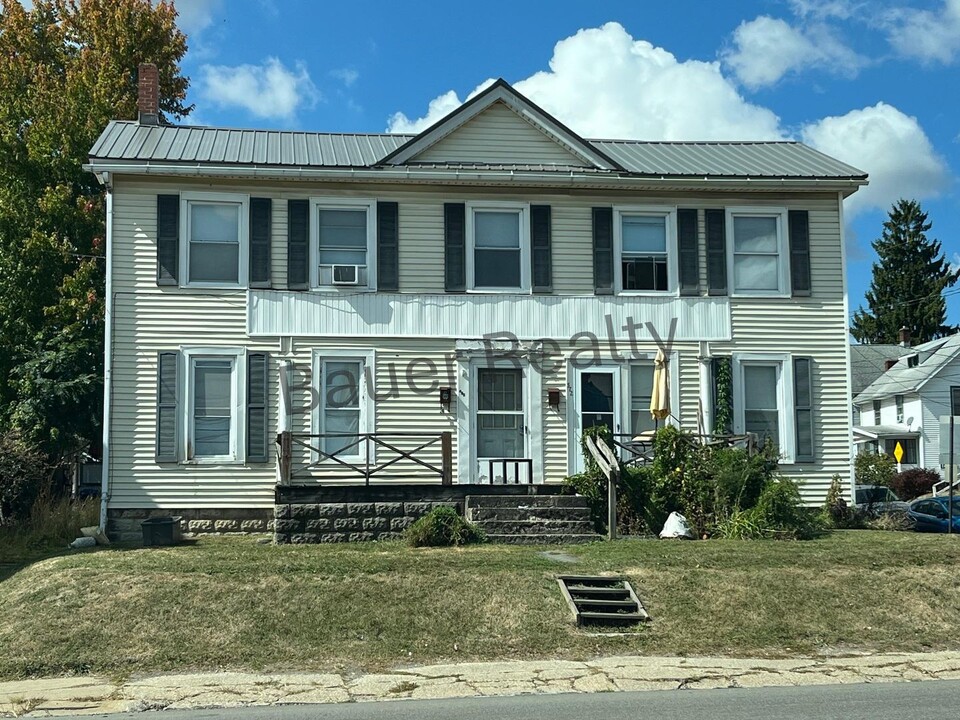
(129, 141)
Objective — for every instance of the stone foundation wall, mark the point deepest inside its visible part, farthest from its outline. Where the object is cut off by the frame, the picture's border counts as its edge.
(124, 525)
(334, 522)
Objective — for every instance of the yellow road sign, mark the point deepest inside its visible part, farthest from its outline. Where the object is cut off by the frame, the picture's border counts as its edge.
(898, 452)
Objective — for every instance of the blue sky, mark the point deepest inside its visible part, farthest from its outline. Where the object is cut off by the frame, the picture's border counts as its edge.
(872, 83)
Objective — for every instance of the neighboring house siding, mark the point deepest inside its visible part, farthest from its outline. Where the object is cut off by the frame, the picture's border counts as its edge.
(149, 319)
(495, 136)
(936, 404)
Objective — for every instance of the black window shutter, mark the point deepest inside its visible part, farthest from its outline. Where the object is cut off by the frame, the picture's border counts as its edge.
(298, 244)
(167, 407)
(258, 366)
(455, 247)
(388, 246)
(168, 239)
(800, 282)
(716, 221)
(803, 407)
(603, 251)
(261, 222)
(689, 251)
(540, 250)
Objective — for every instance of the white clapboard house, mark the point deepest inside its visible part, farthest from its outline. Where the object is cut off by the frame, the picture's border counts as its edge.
(452, 308)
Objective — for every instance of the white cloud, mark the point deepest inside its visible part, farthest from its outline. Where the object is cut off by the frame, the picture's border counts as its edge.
(822, 9)
(766, 49)
(195, 16)
(931, 36)
(603, 83)
(270, 90)
(348, 76)
(887, 144)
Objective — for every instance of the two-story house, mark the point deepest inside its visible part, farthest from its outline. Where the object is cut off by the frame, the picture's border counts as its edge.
(454, 306)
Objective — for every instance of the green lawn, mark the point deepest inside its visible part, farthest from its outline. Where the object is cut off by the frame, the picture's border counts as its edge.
(228, 603)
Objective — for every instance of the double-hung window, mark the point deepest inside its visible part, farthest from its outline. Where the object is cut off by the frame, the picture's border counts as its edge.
(645, 242)
(343, 243)
(214, 228)
(214, 398)
(876, 412)
(500, 418)
(498, 247)
(764, 400)
(757, 251)
(898, 399)
(344, 409)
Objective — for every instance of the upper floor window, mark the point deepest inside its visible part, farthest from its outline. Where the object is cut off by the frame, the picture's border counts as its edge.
(757, 251)
(214, 228)
(343, 245)
(644, 239)
(898, 399)
(498, 247)
(955, 400)
(876, 412)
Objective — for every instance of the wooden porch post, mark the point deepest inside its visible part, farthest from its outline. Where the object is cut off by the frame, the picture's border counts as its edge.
(286, 456)
(446, 453)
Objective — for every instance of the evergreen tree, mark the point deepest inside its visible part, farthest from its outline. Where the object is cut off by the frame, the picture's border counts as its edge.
(908, 282)
(66, 68)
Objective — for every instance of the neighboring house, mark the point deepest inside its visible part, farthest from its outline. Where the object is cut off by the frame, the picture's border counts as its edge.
(364, 272)
(906, 402)
(867, 363)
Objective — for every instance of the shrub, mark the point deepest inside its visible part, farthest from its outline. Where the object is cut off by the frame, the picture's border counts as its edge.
(891, 521)
(23, 475)
(915, 482)
(836, 512)
(779, 510)
(50, 524)
(633, 500)
(874, 469)
(442, 527)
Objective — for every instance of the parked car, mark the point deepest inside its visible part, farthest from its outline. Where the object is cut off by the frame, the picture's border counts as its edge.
(930, 514)
(877, 499)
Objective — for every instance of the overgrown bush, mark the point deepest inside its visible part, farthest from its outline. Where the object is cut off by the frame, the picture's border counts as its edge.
(836, 512)
(443, 527)
(913, 483)
(49, 525)
(23, 475)
(891, 521)
(713, 487)
(874, 469)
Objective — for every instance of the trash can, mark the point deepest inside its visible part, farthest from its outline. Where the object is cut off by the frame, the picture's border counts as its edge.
(160, 531)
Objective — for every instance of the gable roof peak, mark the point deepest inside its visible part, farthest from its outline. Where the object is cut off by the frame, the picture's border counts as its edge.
(502, 91)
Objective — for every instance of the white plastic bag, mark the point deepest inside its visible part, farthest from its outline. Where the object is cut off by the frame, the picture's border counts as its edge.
(83, 542)
(676, 527)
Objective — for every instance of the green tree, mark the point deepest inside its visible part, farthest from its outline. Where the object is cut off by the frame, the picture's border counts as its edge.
(908, 282)
(67, 67)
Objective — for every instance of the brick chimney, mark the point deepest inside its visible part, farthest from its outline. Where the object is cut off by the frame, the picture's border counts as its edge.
(889, 363)
(904, 337)
(148, 94)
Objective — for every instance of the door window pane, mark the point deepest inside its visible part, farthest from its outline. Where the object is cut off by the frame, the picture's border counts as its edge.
(341, 406)
(597, 400)
(644, 252)
(756, 254)
(500, 421)
(641, 391)
(212, 407)
(761, 414)
(496, 240)
(214, 247)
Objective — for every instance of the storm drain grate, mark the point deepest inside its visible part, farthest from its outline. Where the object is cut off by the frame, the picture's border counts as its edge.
(601, 600)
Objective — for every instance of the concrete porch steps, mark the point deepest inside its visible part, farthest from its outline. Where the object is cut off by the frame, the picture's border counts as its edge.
(531, 519)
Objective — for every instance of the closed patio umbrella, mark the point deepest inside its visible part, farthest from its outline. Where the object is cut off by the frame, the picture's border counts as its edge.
(660, 397)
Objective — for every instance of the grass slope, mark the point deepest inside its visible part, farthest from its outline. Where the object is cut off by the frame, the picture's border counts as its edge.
(227, 603)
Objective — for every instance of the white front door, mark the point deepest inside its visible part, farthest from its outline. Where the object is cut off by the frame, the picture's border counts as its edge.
(597, 403)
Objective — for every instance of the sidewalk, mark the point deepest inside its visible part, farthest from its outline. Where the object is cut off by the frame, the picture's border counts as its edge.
(90, 695)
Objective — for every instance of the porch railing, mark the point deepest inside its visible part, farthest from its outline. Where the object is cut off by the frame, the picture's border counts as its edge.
(516, 464)
(363, 456)
(638, 449)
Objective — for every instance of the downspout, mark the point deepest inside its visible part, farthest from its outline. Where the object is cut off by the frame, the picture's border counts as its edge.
(107, 357)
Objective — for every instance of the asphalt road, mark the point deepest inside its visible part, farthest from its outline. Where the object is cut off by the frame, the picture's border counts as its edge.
(887, 701)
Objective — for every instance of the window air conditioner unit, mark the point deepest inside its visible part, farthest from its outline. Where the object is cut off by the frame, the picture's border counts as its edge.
(346, 274)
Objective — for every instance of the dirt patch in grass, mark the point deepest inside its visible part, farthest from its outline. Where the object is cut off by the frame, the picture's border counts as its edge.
(227, 603)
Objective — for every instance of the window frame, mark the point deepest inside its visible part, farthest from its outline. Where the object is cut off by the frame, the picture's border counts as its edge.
(877, 412)
(367, 400)
(669, 212)
(238, 444)
(343, 203)
(523, 210)
(955, 400)
(898, 405)
(243, 245)
(781, 215)
(785, 398)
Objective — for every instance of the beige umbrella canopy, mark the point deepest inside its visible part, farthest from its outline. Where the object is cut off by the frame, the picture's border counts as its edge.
(660, 398)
